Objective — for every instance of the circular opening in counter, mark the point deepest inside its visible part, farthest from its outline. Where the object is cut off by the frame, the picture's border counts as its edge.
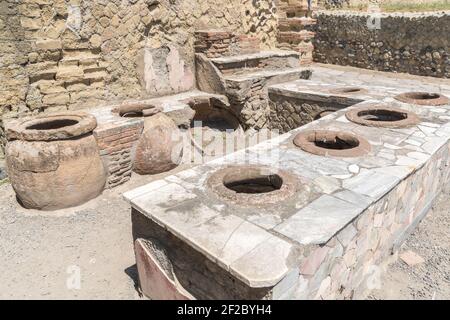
(249, 185)
(423, 98)
(382, 116)
(332, 143)
(257, 183)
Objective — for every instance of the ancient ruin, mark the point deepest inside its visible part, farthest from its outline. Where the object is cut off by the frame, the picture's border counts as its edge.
(98, 94)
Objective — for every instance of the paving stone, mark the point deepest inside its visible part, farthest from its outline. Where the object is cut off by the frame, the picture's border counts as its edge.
(354, 168)
(319, 221)
(226, 238)
(379, 184)
(407, 161)
(411, 258)
(311, 264)
(286, 287)
(355, 198)
(347, 235)
(265, 265)
(169, 195)
(327, 184)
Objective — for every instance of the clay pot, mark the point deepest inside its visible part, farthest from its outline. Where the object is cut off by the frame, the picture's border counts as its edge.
(158, 149)
(53, 161)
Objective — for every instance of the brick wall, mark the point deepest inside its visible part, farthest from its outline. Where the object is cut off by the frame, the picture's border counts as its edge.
(217, 43)
(295, 27)
(117, 143)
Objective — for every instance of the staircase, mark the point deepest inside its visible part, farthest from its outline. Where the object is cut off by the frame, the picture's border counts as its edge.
(242, 76)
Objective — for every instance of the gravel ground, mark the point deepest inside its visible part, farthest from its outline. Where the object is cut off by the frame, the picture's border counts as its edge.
(431, 279)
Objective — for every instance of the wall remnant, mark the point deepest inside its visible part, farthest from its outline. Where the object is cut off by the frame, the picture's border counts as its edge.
(64, 55)
(412, 43)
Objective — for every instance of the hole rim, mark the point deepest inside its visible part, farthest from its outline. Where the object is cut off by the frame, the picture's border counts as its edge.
(216, 184)
(254, 184)
(52, 124)
(417, 98)
(411, 119)
(307, 141)
(23, 129)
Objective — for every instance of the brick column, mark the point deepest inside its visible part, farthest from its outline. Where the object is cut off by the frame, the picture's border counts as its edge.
(294, 27)
(216, 43)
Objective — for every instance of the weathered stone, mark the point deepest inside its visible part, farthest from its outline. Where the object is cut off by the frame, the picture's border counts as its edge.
(312, 263)
(411, 258)
(154, 281)
(49, 44)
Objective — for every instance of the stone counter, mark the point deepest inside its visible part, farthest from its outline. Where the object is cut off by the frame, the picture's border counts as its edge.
(323, 242)
(297, 103)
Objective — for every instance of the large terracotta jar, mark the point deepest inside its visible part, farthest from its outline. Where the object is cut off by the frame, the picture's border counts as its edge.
(53, 161)
(159, 148)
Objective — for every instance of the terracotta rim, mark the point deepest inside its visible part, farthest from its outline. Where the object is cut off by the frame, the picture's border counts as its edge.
(287, 184)
(58, 126)
(343, 144)
(423, 98)
(348, 90)
(136, 110)
(383, 116)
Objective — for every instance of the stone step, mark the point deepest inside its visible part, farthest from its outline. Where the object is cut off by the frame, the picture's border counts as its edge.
(264, 60)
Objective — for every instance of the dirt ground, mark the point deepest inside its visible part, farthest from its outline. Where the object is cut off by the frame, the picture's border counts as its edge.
(41, 252)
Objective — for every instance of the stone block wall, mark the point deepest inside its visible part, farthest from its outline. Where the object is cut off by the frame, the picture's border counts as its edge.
(411, 43)
(69, 54)
(350, 264)
(288, 113)
(340, 4)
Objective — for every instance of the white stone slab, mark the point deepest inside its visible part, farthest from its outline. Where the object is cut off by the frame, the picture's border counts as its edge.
(266, 265)
(319, 221)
